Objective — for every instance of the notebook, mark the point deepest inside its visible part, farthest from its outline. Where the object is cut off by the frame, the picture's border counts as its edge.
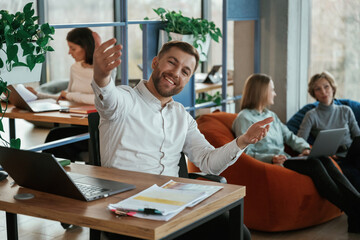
(24, 99)
(41, 171)
(354, 150)
(326, 144)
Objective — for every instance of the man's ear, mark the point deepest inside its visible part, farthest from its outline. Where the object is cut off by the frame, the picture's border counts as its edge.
(154, 62)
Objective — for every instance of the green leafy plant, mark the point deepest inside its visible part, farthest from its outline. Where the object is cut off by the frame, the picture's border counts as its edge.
(198, 27)
(216, 98)
(20, 30)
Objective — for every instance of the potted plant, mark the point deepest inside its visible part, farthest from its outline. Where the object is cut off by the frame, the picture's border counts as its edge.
(196, 31)
(23, 44)
(208, 98)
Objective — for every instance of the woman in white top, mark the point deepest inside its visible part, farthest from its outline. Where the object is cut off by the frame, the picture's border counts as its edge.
(81, 48)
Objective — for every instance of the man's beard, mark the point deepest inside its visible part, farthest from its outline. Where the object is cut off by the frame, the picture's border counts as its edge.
(156, 77)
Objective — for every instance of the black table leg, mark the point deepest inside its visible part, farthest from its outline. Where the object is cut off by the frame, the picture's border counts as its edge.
(236, 220)
(11, 226)
(12, 128)
(95, 234)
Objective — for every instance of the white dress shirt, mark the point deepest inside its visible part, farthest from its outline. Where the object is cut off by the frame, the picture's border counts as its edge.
(138, 134)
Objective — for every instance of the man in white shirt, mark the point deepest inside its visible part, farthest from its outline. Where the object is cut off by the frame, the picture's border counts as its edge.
(143, 129)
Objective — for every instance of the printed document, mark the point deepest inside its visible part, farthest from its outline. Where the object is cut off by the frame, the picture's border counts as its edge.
(168, 200)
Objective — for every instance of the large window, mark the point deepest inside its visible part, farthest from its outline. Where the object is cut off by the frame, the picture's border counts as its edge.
(64, 12)
(144, 8)
(94, 11)
(14, 6)
(335, 43)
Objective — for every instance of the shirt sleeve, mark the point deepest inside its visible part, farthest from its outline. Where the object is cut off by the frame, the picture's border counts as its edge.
(353, 125)
(305, 126)
(112, 102)
(241, 124)
(295, 142)
(209, 159)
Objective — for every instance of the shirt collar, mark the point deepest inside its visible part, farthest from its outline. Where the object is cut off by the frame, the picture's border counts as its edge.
(149, 98)
(255, 112)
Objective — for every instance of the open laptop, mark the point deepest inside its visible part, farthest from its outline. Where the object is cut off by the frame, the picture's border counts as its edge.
(42, 172)
(211, 77)
(17, 97)
(354, 150)
(326, 144)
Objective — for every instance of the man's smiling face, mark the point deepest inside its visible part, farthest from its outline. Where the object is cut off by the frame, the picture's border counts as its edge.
(172, 71)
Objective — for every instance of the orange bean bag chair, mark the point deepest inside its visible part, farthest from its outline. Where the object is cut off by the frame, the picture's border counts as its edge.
(277, 199)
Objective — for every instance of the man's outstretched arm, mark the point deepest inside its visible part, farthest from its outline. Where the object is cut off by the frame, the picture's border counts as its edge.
(106, 58)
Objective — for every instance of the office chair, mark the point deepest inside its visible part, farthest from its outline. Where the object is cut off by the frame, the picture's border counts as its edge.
(94, 153)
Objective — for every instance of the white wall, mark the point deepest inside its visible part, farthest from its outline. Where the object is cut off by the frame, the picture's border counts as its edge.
(285, 51)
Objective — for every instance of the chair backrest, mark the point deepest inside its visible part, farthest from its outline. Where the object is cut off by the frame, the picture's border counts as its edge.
(94, 141)
(94, 146)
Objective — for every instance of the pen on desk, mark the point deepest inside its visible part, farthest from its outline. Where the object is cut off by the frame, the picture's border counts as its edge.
(119, 212)
(150, 211)
(64, 110)
(130, 212)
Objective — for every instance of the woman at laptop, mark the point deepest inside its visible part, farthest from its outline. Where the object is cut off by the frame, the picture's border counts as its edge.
(328, 115)
(81, 48)
(259, 94)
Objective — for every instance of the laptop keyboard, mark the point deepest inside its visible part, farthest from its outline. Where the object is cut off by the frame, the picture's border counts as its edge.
(90, 190)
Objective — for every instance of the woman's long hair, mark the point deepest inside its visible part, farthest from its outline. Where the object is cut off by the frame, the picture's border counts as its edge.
(83, 37)
(255, 91)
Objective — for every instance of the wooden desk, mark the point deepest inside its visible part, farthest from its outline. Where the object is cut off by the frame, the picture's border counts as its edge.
(96, 216)
(205, 87)
(53, 117)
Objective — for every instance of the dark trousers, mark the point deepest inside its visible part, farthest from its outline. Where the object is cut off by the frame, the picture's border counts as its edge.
(332, 185)
(351, 169)
(70, 151)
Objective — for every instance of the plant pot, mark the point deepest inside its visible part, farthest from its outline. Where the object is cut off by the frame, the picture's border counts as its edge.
(19, 74)
(203, 46)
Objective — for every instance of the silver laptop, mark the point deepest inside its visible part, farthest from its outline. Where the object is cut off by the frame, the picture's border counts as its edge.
(326, 144)
(42, 172)
(38, 105)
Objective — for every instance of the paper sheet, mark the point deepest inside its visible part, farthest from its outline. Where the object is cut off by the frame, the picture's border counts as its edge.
(25, 94)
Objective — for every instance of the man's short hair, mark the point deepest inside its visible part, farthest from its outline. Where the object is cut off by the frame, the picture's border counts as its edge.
(184, 46)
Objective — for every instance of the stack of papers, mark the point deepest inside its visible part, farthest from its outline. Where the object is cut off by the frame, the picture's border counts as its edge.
(167, 201)
(208, 190)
